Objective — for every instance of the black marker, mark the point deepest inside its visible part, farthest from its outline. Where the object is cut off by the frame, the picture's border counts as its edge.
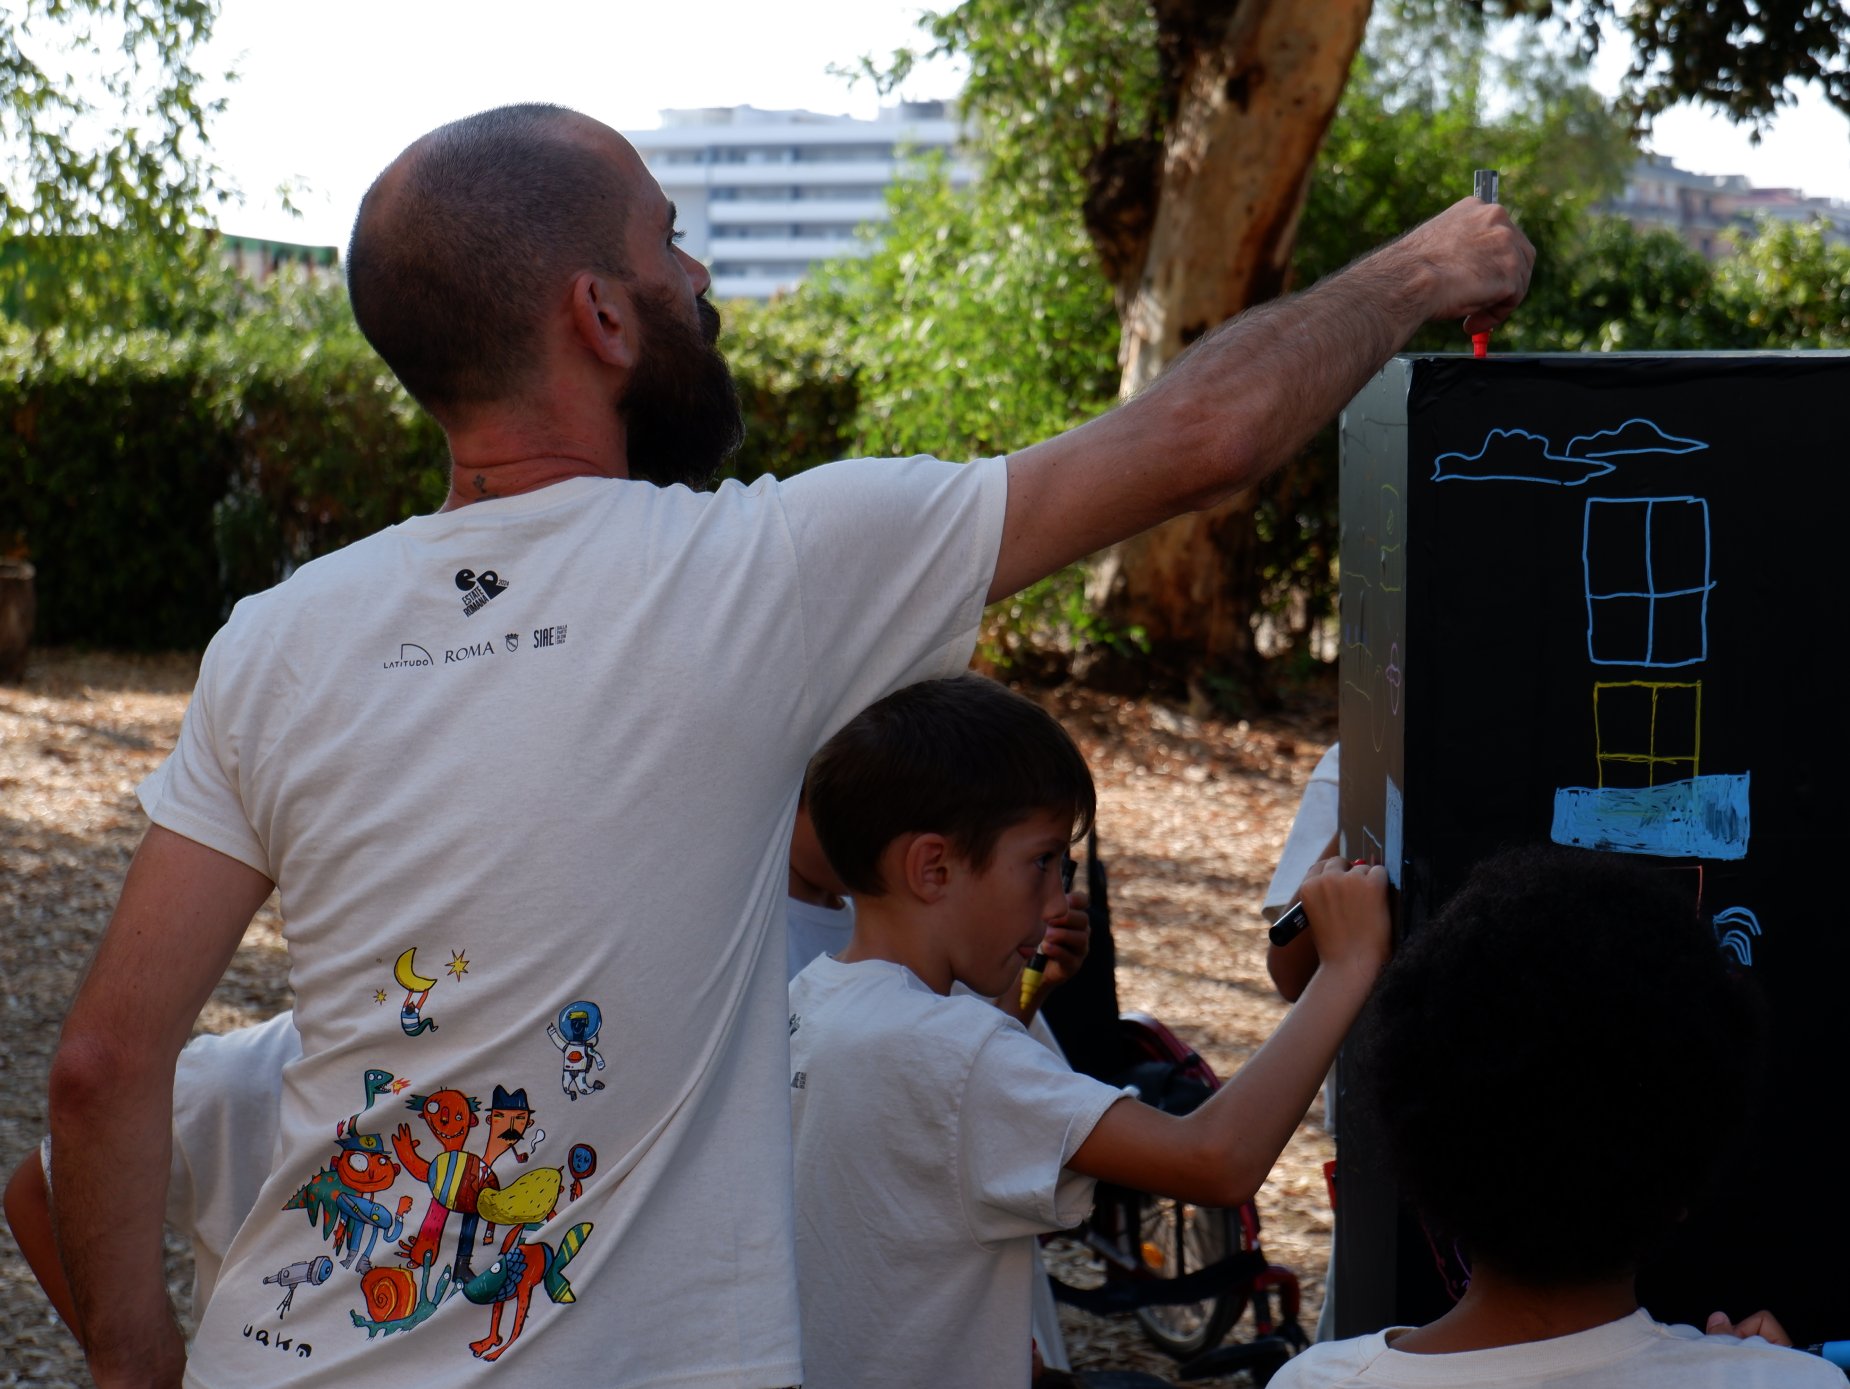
(1290, 925)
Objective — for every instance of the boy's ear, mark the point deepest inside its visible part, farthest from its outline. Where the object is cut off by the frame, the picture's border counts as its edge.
(925, 864)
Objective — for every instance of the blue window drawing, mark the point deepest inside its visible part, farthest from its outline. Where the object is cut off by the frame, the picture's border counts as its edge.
(1646, 562)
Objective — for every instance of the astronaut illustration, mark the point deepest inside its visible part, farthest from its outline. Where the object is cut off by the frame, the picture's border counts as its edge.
(575, 1035)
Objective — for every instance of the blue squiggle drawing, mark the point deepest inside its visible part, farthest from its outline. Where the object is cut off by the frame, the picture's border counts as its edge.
(1635, 436)
(1516, 455)
(1738, 939)
(1700, 817)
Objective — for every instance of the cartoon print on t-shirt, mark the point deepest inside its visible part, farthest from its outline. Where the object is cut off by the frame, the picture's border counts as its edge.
(417, 988)
(511, 1131)
(523, 1266)
(583, 1162)
(378, 1082)
(340, 1195)
(397, 1301)
(575, 1035)
(455, 1177)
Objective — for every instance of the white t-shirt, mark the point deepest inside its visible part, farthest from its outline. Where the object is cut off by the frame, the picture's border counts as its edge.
(1313, 826)
(1634, 1351)
(932, 1136)
(813, 930)
(227, 1090)
(525, 773)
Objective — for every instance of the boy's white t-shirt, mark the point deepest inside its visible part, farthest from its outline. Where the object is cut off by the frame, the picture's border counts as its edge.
(1312, 828)
(812, 930)
(932, 1136)
(525, 774)
(227, 1091)
(1634, 1351)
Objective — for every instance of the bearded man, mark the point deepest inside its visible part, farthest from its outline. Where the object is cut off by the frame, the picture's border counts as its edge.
(588, 792)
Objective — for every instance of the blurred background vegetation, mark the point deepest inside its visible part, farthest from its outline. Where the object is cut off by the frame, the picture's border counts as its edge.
(176, 436)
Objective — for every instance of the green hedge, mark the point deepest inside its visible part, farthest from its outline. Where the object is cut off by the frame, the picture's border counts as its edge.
(153, 481)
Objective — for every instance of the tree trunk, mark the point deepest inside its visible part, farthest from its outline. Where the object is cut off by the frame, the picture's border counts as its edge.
(1257, 85)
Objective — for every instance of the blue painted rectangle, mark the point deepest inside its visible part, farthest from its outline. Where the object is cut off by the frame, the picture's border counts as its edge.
(1702, 817)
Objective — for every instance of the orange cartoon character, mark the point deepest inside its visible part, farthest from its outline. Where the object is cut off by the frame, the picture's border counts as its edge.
(341, 1195)
(455, 1178)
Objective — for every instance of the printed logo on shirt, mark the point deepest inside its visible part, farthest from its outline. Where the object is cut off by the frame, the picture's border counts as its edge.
(549, 636)
(800, 1081)
(796, 1021)
(410, 654)
(477, 589)
(453, 655)
(512, 642)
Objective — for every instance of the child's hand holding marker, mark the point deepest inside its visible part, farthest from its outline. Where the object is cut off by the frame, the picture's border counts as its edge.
(1348, 908)
(1062, 950)
(1295, 918)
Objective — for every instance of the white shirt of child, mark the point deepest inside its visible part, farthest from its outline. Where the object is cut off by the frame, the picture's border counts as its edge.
(814, 930)
(525, 774)
(932, 1136)
(227, 1090)
(1635, 1351)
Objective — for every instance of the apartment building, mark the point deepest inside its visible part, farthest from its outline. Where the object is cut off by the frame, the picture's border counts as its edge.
(1709, 210)
(765, 195)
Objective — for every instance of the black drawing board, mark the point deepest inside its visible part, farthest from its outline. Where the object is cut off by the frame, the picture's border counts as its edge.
(1589, 598)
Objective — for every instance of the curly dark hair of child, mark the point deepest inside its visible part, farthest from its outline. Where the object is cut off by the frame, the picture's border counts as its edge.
(1559, 1059)
(964, 757)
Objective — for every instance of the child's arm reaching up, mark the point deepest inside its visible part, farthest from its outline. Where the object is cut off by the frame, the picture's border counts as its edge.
(1220, 1154)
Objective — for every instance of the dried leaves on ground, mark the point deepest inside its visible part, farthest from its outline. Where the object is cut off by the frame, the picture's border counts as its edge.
(1193, 812)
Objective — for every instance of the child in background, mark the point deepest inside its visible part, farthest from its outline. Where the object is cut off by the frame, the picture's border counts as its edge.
(934, 1139)
(1559, 1059)
(226, 1093)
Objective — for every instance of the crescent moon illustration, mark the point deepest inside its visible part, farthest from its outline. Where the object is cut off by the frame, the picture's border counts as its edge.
(405, 972)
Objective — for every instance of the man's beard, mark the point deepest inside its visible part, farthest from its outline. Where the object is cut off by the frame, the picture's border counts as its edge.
(681, 409)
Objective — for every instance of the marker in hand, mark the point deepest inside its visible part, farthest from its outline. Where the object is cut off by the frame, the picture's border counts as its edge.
(1031, 977)
(1484, 188)
(1292, 921)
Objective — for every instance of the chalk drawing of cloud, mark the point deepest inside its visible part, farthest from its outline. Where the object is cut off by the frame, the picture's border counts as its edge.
(1633, 437)
(1516, 455)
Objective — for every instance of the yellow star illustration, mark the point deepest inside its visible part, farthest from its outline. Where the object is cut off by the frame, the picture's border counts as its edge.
(459, 963)
(379, 996)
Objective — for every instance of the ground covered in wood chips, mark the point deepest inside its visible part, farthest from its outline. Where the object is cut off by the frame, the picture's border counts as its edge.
(1192, 814)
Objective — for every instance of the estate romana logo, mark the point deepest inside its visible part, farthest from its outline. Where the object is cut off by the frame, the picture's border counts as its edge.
(477, 589)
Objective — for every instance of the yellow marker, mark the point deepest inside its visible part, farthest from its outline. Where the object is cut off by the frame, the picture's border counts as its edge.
(1031, 977)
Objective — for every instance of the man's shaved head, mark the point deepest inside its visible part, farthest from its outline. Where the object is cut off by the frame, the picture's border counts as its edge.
(461, 245)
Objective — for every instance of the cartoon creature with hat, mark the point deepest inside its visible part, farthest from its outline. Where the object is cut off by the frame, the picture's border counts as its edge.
(575, 1035)
(340, 1195)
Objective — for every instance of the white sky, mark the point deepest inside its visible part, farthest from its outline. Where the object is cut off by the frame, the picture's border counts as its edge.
(329, 94)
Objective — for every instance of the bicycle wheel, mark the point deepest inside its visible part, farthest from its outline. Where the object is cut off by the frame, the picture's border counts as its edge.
(1178, 1238)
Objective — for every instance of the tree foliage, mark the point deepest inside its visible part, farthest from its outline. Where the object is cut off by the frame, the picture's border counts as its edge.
(130, 161)
(1740, 56)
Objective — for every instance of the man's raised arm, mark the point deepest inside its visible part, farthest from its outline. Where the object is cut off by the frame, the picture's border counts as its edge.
(1246, 397)
(183, 909)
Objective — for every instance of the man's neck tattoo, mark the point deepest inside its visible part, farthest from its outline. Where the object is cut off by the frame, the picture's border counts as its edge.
(481, 485)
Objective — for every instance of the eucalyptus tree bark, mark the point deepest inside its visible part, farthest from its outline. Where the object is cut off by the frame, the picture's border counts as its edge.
(1191, 233)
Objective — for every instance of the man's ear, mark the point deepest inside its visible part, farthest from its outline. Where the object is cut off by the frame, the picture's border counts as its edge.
(604, 319)
(926, 863)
